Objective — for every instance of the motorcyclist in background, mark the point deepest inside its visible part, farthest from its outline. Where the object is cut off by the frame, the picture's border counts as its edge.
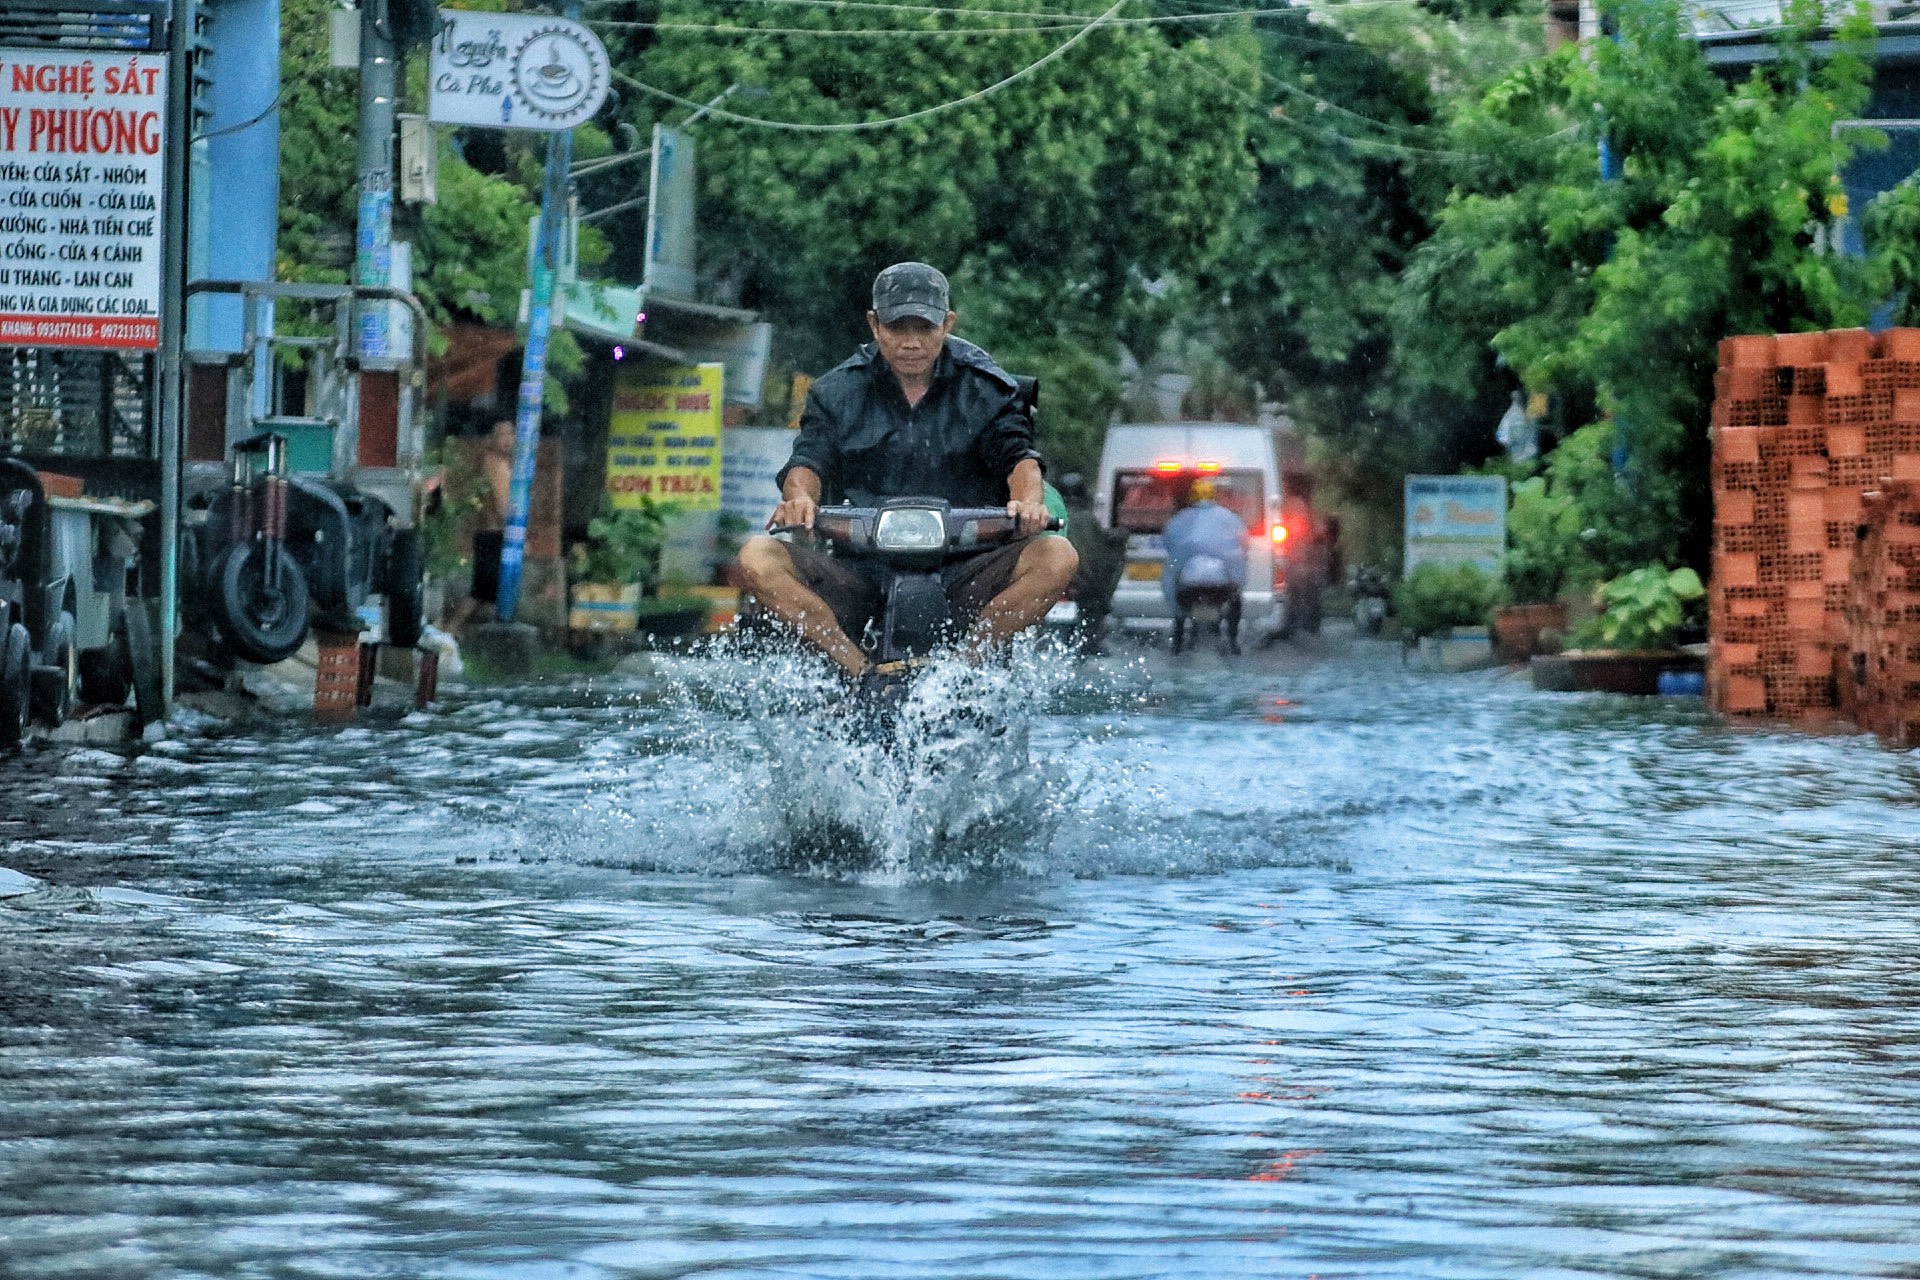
(1206, 563)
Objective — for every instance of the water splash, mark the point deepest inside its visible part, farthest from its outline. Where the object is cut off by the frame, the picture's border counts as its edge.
(955, 791)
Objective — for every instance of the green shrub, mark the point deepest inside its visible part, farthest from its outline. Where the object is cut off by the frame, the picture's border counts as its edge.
(1643, 609)
(1435, 596)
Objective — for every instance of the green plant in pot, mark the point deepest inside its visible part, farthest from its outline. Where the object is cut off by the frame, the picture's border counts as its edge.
(622, 547)
(618, 561)
(1546, 551)
(1644, 610)
(1435, 598)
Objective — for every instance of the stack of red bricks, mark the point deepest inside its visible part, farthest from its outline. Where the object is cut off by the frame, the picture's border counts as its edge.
(1804, 425)
(1879, 681)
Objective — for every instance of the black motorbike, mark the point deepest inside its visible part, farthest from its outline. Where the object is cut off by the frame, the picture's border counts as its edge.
(1370, 596)
(909, 540)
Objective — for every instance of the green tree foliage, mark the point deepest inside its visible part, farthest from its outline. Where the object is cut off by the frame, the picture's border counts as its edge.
(1307, 290)
(1050, 203)
(1615, 292)
(1353, 156)
(1113, 163)
(318, 118)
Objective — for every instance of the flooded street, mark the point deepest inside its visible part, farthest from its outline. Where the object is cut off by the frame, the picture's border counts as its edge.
(1297, 965)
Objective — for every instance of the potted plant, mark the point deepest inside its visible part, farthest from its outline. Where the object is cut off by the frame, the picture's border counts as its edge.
(1443, 609)
(1627, 647)
(608, 572)
(1544, 549)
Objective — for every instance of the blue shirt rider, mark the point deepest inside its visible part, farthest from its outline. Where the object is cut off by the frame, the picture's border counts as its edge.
(1206, 562)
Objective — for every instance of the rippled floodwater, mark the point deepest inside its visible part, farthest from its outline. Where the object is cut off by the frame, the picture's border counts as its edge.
(1303, 966)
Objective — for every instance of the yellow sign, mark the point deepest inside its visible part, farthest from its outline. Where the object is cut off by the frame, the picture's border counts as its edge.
(664, 439)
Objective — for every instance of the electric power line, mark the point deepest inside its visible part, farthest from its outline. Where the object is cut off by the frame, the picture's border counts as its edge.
(851, 126)
(947, 11)
(1397, 148)
(1299, 7)
(914, 33)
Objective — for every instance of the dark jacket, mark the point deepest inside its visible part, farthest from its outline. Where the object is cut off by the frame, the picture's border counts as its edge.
(961, 441)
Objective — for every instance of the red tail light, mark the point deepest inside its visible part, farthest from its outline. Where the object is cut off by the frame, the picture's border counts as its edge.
(1208, 468)
(1167, 467)
(1279, 534)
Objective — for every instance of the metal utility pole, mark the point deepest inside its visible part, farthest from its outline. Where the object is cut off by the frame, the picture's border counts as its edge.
(533, 365)
(173, 338)
(373, 254)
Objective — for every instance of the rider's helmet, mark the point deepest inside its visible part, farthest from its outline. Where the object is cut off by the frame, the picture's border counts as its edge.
(1201, 490)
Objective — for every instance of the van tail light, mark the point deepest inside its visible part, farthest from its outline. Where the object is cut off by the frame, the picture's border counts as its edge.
(1208, 468)
(1168, 466)
(1279, 534)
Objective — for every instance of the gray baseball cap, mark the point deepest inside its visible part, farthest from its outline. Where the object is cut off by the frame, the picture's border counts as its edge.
(910, 289)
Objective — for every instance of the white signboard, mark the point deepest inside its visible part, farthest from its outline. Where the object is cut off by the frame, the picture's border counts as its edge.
(1456, 520)
(751, 458)
(743, 348)
(82, 161)
(515, 71)
(668, 266)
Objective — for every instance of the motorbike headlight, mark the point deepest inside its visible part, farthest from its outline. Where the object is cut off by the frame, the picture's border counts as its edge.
(910, 529)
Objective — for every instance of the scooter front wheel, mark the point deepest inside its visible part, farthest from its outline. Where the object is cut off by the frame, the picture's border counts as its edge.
(260, 622)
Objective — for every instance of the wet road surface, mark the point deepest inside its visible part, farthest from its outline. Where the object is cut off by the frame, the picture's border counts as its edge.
(1302, 965)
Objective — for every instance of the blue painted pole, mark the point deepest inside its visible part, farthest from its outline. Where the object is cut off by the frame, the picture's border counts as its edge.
(533, 368)
(1610, 172)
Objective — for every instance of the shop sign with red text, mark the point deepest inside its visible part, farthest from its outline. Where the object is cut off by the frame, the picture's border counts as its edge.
(664, 437)
(82, 160)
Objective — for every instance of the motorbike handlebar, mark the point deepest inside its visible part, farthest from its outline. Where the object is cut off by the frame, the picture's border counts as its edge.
(988, 525)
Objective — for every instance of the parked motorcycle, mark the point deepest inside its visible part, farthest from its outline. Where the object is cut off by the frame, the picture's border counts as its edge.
(266, 554)
(1370, 595)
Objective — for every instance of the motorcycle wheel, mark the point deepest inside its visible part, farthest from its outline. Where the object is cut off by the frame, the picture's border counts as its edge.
(259, 624)
(405, 586)
(16, 661)
(53, 682)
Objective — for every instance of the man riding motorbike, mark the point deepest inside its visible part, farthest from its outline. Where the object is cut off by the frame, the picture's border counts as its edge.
(917, 413)
(1206, 563)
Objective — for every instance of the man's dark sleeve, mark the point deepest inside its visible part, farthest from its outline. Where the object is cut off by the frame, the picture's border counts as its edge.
(814, 447)
(1008, 441)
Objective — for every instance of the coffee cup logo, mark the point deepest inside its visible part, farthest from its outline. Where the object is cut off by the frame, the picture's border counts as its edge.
(557, 76)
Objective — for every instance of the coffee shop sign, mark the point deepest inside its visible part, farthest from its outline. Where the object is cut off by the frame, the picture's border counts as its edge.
(515, 71)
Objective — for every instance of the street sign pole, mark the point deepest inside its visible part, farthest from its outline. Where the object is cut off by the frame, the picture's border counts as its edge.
(533, 367)
(523, 71)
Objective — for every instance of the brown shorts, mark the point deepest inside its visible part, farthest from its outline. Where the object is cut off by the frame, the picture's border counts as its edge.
(851, 587)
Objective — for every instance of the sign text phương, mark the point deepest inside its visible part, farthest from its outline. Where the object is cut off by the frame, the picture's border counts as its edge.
(82, 164)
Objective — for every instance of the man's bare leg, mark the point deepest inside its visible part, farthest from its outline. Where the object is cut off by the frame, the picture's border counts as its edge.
(1040, 575)
(770, 576)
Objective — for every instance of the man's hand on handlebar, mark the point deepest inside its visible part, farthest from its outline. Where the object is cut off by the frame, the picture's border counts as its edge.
(1032, 516)
(796, 511)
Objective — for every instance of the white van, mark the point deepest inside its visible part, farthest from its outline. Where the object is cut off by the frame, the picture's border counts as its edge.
(1145, 469)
